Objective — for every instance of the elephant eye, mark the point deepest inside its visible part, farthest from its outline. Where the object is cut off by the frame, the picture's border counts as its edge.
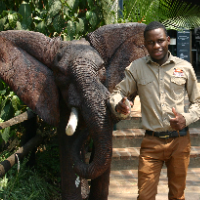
(59, 56)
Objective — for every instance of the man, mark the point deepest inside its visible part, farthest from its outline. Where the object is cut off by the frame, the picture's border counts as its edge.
(161, 81)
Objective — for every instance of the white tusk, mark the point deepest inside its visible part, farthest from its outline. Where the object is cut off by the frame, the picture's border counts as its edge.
(72, 123)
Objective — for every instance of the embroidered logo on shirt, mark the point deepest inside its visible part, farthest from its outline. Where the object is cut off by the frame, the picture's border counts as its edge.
(178, 72)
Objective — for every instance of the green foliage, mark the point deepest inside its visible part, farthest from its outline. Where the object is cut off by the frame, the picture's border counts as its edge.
(180, 14)
(143, 11)
(70, 19)
(26, 184)
(4, 155)
(48, 162)
(174, 14)
(10, 106)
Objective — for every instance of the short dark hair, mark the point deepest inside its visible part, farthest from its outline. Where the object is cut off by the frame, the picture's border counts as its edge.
(154, 25)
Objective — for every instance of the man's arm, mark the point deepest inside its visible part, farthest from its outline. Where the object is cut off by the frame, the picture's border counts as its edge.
(194, 97)
(122, 90)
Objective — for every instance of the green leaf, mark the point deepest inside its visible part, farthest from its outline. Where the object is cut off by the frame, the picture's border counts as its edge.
(91, 16)
(12, 18)
(25, 11)
(40, 27)
(7, 26)
(49, 20)
(58, 23)
(37, 18)
(3, 103)
(90, 3)
(71, 28)
(73, 4)
(66, 11)
(19, 26)
(3, 92)
(7, 112)
(18, 112)
(15, 102)
(80, 25)
(11, 94)
(6, 134)
(2, 23)
(5, 13)
(55, 7)
(43, 14)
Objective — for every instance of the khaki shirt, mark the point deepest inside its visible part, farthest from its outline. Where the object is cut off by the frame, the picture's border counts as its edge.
(160, 88)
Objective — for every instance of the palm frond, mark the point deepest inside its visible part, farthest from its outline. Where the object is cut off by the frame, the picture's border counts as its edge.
(174, 14)
(180, 13)
(137, 10)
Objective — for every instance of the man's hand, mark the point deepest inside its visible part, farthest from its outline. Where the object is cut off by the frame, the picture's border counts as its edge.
(179, 122)
(122, 108)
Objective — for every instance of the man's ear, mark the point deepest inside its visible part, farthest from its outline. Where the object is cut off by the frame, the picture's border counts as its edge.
(168, 40)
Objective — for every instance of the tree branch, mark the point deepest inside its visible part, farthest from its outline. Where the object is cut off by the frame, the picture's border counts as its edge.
(21, 152)
(18, 119)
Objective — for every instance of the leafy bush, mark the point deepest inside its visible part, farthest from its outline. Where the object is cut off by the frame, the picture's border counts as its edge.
(26, 184)
(70, 19)
(10, 106)
(49, 168)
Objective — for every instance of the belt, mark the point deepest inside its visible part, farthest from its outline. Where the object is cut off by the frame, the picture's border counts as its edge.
(168, 134)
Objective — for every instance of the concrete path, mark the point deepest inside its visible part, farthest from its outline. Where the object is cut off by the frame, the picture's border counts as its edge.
(123, 185)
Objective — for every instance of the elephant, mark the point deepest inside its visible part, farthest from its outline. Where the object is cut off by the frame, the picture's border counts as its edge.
(64, 80)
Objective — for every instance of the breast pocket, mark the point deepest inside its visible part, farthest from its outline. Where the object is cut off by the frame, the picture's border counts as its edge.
(145, 87)
(144, 82)
(178, 87)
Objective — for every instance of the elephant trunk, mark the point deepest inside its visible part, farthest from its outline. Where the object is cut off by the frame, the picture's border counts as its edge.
(97, 118)
(101, 133)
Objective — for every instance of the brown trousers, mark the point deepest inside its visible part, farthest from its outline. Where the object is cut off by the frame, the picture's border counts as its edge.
(175, 153)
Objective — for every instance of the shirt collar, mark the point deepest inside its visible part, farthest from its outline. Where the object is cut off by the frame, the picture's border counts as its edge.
(169, 60)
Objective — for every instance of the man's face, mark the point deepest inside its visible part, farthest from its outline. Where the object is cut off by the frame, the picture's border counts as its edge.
(157, 43)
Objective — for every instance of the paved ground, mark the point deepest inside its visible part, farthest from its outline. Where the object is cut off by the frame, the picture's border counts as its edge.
(123, 183)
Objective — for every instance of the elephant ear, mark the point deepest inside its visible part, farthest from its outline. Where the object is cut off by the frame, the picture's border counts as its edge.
(118, 45)
(36, 44)
(31, 80)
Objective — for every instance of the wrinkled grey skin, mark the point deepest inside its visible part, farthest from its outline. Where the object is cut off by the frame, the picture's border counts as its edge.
(52, 76)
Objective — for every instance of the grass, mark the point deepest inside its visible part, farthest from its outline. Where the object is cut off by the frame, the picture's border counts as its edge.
(32, 183)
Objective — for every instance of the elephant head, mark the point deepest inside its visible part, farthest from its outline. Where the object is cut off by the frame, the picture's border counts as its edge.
(53, 77)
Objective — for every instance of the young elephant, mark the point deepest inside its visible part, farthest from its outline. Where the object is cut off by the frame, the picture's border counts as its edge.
(55, 77)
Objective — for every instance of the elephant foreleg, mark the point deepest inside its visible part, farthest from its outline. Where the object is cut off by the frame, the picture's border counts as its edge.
(70, 182)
